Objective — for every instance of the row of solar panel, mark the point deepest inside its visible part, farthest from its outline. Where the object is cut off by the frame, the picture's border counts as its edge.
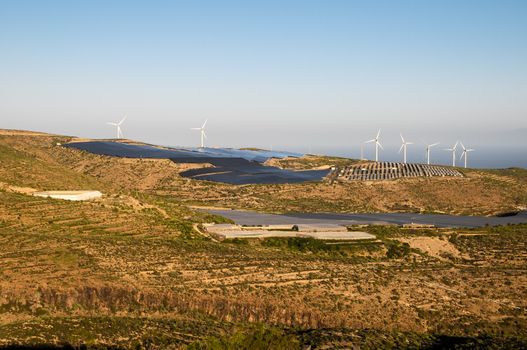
(120, 149)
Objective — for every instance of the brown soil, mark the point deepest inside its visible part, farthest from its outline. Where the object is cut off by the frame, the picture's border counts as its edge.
(135, 253)
(439, 248)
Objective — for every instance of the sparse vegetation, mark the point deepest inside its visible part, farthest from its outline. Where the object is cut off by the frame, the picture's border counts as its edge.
(310, 161)
(398, 250)
(133, 271)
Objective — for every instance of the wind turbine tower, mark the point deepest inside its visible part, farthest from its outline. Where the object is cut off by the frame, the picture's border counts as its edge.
(118, 127)
(202, 133)
(377, 145)
(362, 151)
(428, 147)
(403, 147)
(453, 150)
(465, 153)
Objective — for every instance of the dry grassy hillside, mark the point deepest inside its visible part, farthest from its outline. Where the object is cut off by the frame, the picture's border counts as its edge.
(30, 162)
(36, 161)
(310, 162)
(132, 271)
(59, 273)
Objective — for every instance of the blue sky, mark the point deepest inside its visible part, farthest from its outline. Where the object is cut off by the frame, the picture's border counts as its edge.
(282, 73)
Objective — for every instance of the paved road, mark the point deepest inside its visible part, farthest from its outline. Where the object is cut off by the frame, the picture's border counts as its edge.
(253, 218)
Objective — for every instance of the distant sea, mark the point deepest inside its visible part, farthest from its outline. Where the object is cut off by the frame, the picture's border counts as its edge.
(482, 157)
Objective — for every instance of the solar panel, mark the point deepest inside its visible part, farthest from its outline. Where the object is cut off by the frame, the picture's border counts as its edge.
(234, 166)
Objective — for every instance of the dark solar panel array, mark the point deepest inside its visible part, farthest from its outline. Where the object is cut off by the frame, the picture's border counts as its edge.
(255, 155)
(390, 170)
(254, 218)
(125, 150)
(230, 165)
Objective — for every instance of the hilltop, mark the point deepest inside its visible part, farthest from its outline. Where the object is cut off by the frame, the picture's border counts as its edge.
(135, 270)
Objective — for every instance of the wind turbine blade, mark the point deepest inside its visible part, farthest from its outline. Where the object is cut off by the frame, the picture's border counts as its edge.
(206, 120)
(380, 145)
(195, 128)
(409, 143)
(378, 134)
(462, 145)
(470, 150)
(462, 155)
(400, 149)
(370, 141)
(110, 123)
(204, 135)
(122, 120)
(434, 144)
(402, 138)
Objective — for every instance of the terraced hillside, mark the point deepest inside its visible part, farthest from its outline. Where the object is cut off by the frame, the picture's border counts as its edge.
(132, 270)
(176, 291)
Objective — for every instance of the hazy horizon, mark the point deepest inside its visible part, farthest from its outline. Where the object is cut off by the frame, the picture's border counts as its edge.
(297, 75)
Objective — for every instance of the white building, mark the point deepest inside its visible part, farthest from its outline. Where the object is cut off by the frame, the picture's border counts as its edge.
(70, 195)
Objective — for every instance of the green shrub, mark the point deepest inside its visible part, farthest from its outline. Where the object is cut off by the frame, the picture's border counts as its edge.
(263, 338)
(397, 250)
(184, 227)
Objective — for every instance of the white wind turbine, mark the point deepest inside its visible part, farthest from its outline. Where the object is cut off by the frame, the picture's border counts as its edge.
(377, 145)
(118, 125)
(202, 133)
(453, 150)
(403, 147)
(465, 153)
(428, 151)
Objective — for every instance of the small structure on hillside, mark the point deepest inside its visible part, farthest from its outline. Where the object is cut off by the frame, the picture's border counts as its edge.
(70, 195)
(414, 225)
(314, 230)
(319, 227)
